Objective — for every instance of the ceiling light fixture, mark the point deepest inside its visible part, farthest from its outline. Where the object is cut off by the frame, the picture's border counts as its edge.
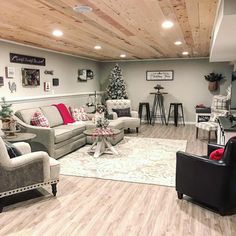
(185, 53)
(167, 24)
(178, 43)
(57, 33)
(122, 55)
(97, 47)
(82, 9)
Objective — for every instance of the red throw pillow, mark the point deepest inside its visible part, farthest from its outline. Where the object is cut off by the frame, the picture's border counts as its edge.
(217, 154)
(38, 119)
(65, 114)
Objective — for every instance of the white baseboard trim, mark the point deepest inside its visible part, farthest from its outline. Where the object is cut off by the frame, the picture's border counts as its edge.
(172, 122)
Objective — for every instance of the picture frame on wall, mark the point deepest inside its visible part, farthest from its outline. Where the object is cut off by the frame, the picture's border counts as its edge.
(10, 72)
(159, 75)
(30, 77)
(82, 76)
(1, 81)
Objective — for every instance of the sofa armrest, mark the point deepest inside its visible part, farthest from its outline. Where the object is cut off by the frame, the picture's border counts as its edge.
(30, 158)
(23, 147)
(45, 137)
(134, 114)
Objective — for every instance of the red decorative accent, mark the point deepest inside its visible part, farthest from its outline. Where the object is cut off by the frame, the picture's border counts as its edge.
(217, 154)
(38, 119)
(65, 114)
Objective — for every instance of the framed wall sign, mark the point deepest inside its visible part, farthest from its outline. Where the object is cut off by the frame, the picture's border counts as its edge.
(159, 75)
(10, 72)
(24, 59)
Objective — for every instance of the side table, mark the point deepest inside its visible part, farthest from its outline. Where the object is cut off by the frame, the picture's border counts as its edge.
(20, 137)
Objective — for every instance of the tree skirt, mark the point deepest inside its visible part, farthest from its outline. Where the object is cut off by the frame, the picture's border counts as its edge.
(140, 160)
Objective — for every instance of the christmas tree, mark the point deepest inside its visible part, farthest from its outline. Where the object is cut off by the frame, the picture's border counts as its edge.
(116, 88)
(6, 111)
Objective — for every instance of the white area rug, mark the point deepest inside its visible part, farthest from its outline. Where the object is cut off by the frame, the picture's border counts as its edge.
(141, 160)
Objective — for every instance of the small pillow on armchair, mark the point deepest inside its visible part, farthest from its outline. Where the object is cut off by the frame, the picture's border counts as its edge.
(38, 119)
(12, 150)
(125, 112)
(217, 154)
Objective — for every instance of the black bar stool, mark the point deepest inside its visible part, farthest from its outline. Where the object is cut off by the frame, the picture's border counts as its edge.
(140, 111)
(176, 116)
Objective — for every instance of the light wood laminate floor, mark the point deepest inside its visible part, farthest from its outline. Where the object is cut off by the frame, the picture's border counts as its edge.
(87, 206)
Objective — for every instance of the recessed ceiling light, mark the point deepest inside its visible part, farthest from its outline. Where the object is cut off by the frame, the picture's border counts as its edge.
(82, 9)
(57, 33)
(185, 53)
(178, 43)
(167, 24)
(97, 47)
(122, 55)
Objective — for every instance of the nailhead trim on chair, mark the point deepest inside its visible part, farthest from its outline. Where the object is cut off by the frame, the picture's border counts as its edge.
(19, 190)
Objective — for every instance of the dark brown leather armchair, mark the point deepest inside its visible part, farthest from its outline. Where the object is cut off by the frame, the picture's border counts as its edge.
(212, 183)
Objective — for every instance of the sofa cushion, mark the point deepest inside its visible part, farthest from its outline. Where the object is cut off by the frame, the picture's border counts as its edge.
(26, 114)
(53, 115)
(64, 132)
(116, 124)
(89, 124)
(130, 122)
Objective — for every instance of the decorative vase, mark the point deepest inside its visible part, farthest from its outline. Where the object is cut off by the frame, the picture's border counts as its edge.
(6, 123)
(213, 86)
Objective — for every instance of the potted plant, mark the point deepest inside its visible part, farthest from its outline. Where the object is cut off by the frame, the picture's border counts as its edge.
(213, 79)
(6, 115)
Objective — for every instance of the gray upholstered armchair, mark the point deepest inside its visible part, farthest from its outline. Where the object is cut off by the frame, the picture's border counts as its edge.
(130, 122)
(26, 172)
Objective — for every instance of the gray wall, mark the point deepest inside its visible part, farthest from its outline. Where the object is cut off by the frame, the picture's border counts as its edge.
(188, 86)
(65, 68)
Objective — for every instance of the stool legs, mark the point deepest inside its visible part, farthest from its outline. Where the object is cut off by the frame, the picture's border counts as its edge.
(182, 114)
(176, 114)
(175, 107)
(140, 111)
(197, 132)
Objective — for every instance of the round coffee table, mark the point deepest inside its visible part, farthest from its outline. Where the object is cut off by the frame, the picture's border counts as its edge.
(101, 143)
(19, 137)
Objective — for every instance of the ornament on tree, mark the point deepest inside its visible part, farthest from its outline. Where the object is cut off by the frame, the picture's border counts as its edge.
(116, 88)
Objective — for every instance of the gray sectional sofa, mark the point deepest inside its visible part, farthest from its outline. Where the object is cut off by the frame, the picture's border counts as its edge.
(60, 139)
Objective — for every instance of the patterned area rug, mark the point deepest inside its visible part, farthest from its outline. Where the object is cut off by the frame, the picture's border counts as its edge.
(140, 160)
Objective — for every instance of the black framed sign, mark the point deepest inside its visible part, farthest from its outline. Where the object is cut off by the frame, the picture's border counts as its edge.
(159, 75)
(24, 59)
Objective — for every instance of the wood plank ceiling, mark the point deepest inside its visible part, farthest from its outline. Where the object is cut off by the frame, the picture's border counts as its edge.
(132, 27)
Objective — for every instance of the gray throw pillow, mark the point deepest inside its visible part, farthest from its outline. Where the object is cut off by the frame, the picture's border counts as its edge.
(125, 112)
(12, 151)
